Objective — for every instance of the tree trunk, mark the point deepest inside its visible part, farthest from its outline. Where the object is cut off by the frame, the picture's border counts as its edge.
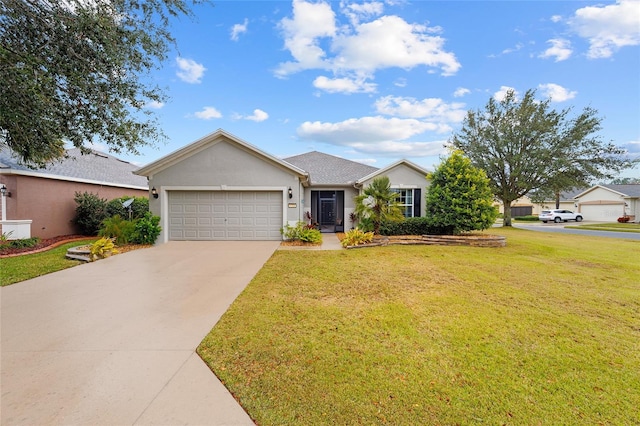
(507, 214)
(557, 199)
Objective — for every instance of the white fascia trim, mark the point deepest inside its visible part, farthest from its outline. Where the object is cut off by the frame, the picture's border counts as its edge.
(72, 179)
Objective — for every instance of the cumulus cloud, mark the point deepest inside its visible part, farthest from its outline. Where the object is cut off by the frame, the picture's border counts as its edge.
(632, 147)
(560, 50)
(257, 116)
(238, 29)
(154, 104)
(608, 28)
(431, 109)
(374, 135)
(556, 92)
(208, 113)
(460, 92)
(316, 39)
(343, 85)
(189, 70)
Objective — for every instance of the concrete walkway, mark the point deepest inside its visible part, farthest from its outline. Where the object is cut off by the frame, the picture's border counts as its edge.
(112, 342)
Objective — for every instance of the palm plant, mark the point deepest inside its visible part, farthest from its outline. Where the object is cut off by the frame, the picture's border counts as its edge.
(379, 203)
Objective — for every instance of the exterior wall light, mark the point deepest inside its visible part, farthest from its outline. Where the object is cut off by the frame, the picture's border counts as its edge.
(290, 193)
(154, 192)
(4, 192)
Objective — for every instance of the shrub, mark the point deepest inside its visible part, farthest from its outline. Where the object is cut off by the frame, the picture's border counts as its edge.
(529, 218)
(409, 226)
(118, 228)
(356, 237)
(21, 243)
(624, 219)
(139, 207)
(301, 232)
(459, 197)
(91, 210)
(102, 248)
(146, 229)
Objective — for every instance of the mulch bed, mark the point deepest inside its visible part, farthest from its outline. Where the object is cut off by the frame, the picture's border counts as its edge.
(49, 243)
(44, 244)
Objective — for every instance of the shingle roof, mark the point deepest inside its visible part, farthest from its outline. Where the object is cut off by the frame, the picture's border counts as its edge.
(95, 167)
(630, 190)
(325, 169)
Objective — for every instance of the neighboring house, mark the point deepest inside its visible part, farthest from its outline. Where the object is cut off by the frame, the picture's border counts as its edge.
(607, 203)
(524, 206)
(45, 196)
(223, 188)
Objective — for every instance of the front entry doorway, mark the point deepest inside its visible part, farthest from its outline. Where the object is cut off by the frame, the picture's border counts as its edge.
(327, 209)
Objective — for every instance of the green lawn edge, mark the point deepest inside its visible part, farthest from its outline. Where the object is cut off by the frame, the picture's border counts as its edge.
(21, 268)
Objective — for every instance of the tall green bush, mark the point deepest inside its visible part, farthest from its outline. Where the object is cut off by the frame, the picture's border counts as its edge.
(91, 210)
(146, 230)
(459, 197)
(116, 227)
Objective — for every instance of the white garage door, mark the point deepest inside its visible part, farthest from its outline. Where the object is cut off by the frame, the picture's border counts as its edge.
(225, 215)
(601, 212)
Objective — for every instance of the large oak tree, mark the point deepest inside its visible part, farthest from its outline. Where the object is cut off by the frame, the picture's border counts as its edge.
(78, 71)
(523, 145)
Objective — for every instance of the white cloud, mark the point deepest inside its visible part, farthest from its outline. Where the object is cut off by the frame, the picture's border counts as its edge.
(302, 34)
(432, 109)
(356, 11)
(517, 47)
(208, 113)
(238, 29)
(500, 94)
(560, 49)
(608, 28)
(154, 104)
(460, 92)
(632, 147)
(556, 18)
(556, 92)
(316, 40)
(374, 135)
(343, 85)
(190, 71)
(258, 116)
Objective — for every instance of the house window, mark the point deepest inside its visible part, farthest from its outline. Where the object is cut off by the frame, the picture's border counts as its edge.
(406, 201)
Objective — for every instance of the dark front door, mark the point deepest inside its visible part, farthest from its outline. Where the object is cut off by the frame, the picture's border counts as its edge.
(328, 208)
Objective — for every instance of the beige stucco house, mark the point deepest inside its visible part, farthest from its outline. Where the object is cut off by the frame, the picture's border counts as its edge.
(223, 188)
(607, 203)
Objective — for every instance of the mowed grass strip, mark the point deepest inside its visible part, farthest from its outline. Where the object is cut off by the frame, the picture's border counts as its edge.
(543, 331)
(24, 267)
(617, 227)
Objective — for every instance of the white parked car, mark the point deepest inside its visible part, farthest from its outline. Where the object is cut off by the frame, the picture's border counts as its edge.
(559, 215)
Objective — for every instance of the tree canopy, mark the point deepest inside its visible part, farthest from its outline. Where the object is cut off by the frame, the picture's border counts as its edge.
(75, 71)
(524, 145)
(459, 197)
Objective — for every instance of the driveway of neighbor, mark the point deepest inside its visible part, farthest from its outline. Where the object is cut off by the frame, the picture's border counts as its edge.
(112, 342)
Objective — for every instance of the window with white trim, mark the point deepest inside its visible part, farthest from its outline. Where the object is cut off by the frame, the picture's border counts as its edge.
(405, 201)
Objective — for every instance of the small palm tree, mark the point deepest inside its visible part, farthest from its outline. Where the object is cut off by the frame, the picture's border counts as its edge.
(379, 203)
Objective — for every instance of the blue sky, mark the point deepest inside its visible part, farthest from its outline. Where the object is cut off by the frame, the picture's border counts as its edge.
(379, 81)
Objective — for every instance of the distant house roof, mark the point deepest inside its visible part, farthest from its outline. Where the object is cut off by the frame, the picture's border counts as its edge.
(325, 169)
(95, 168)
(631, 190)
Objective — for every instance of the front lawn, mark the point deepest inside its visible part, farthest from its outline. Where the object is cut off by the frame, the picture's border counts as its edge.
(24, 267)
(543, 331)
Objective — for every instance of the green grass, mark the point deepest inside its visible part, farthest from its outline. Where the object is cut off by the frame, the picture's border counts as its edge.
(20, 268)
(543, 331)
(616, 227)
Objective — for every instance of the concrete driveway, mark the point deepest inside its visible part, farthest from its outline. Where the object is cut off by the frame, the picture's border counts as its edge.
(112, 342)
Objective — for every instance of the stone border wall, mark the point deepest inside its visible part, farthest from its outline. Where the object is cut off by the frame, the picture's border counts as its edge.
(473, 240)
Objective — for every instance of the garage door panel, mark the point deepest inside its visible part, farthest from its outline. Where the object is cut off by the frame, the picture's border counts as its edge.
(225, 215)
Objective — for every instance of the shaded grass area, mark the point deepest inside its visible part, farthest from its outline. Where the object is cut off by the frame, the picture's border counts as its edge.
(20, 268)
(617, 227)
(543, 331)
